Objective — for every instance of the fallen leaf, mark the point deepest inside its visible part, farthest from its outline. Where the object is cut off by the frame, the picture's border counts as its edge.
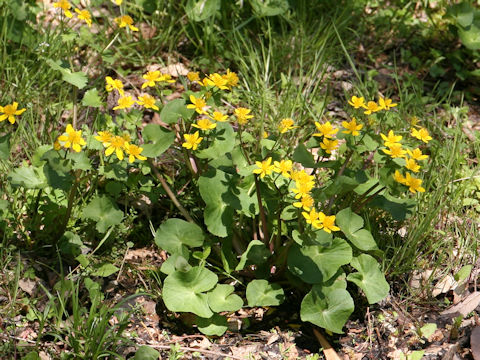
(27, 285)
(445, 285)
(475, 342)
(464, 307)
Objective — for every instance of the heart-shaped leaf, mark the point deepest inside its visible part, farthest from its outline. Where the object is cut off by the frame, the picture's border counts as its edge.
(224, 141)
(174, 233)
(351, 225)
(369, 278)
(104, 212)
(145, 352)
(174, 110)
(201, 10)
(213, 326)
(221, 299)
(185, 291)
(327, 307)
(316, 264)
(262, 293)
(157, 140)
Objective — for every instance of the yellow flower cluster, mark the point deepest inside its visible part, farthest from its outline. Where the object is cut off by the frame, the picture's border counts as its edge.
(81, 14)
(304, 184)
(395, 149)
(223, 82)
(119, 145)
(328, 132)
(371, 106)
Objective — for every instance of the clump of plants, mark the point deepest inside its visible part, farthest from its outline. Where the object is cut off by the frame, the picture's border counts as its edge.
(261, 210)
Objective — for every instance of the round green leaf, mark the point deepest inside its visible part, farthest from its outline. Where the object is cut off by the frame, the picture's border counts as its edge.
(145, 352)
(213, 326)
(269, 7)
(184, 291)
(327, 307)
(316, 264)
(157, 139)
(221, 299)
(104, 212)
(92, 99)
(256, 253)
(224, 141)
(369, 278)
(351, 225)
(174, 110)
(262, 293)
(174, 232)
(201, 10)
(470, 36)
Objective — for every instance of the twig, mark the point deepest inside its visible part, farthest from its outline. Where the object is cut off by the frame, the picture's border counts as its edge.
(189, 349)
(329, 352)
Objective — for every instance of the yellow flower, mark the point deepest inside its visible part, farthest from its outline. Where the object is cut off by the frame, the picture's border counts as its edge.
(85, 16)
(198, 104)
(283, 167)
(386, 104)
(413, 184)
(391, 139)
(192, 141)
(72, 138)
(105, 137)
(306, 203)
(147, 101)
(412, 165)
(421, 134)
(65, 6)
(286, 125)
(114, 84)
(329, 145)
(10, 111)
(124, 102)
(399, 177)
(326, 130)
(117, 145)
(133, 152)
(56, 145)
(232, 78)
(395, 151)
(327, 222)
(217, 80)
(312, 218)
(357, 102)
(193, 76)
(218, 116)
(242, 115)
(265, 134)
(416, 154)
(301, 176)
(265, 167)
(205, 124)
(117, 2)
(414, 120)
(152, 77)
(352, 127)
(302, 189)
(371, 107)
(124, 21)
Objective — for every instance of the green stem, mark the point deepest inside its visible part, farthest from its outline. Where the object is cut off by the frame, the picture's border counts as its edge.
(169, 192)
(263, 218)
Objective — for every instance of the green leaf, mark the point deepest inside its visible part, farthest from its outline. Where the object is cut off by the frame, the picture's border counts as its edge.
(427, 330)
(256, 253)
(104, 212)
(174, 110)
(184, 291)
(303, 156)
(28, 176)
(221, 299)
(213, 326)
(78, 79)
(262, 293)
(463, 273)
(224, 141)
(92, 99)
(351, 225)
(80, 161)
(114, 172)
(216, 190)
(269, 7)
(145, 352)
(327, 307)
(5, 146)
(319, 237)
(174, 233)
(316, 264)
(83, 260)
(160, 139)
(32, 355)
(470, 36)
(369, 278)
(57, 170)
(105, 270)
(201, 10)
(462, 13)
